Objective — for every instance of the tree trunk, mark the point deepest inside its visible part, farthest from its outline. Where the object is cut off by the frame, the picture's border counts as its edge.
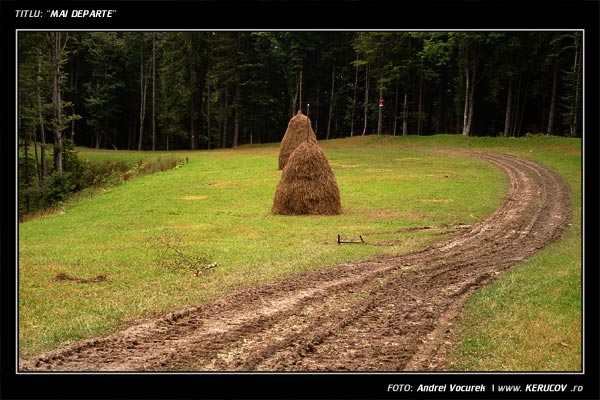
(332, 99)
(395, 120)
(466, 106)
(574, 121)
(74, 76)
(32, 138)
(578, 94)
(58, 146)
(236, 121)
(420, 113)
(193, 123)
(521, 111)
(366, 107)
(38, 78)
(226, 111)
(380, 112)
(471, 107)
(471, 60)
(516, 108)
(153, 91)
(353, 101)
(441, 111)
(72, 124)
(37, 159)
(552, 110)
(98, 137)
(507, 117)
(405, 113)
(56, 49)
(470, 103)
(236, 129)
(237, 100)
(143, 90)
(44, 163)
(208, 108)
(220, 123)
(429, 113)
(26, 174)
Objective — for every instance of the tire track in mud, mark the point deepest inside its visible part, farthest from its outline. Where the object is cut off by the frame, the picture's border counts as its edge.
(389, 313)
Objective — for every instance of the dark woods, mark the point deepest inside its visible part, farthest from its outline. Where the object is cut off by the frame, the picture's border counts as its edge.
(194, 90)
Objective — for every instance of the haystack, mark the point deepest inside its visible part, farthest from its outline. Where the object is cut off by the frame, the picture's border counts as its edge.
(307, 185)
(295, 134)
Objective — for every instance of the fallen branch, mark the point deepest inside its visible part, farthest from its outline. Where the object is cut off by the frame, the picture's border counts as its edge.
(170, 255)
(205, 268)
(340, 241)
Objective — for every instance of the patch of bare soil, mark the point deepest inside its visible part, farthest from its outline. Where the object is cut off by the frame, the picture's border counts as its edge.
(66, 277)
(389, 313)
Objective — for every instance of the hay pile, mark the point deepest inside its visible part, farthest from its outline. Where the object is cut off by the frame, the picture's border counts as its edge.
(307, 185)
(295, 135)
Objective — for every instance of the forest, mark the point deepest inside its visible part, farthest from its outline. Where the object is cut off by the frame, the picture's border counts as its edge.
(134, 90)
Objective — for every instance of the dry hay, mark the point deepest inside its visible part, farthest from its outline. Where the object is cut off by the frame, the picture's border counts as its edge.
(307, 184)
(295, 135)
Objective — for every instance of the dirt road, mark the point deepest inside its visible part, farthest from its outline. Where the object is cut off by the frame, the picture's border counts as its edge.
(390, 313)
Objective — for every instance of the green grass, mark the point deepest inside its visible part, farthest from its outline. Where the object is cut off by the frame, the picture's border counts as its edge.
(218, 206)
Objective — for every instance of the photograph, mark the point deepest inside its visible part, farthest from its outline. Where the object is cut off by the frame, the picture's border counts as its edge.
(289, 205)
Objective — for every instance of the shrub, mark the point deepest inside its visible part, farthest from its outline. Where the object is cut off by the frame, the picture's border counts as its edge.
(73, 165)
(59, 186)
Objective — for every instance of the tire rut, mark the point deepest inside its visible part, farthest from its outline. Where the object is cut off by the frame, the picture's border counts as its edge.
(389, 313)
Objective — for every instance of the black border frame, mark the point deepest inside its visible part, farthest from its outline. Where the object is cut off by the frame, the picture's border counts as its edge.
(296, 15)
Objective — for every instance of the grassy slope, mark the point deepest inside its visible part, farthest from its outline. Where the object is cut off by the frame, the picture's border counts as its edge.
(218, 206)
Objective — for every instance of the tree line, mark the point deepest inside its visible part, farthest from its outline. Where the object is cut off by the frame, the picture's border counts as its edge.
(205, 90)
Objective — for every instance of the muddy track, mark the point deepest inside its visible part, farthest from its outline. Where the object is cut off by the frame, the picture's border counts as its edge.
(389, 313)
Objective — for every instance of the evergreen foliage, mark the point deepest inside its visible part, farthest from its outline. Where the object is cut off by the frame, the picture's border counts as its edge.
(248, 83)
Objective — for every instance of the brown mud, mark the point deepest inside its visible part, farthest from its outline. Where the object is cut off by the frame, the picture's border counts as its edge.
(390, 313)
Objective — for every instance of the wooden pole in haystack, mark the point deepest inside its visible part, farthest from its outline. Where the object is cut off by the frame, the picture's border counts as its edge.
(300, 106)
(307, 122)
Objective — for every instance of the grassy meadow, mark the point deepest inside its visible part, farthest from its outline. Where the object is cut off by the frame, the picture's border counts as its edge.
(216, 208)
